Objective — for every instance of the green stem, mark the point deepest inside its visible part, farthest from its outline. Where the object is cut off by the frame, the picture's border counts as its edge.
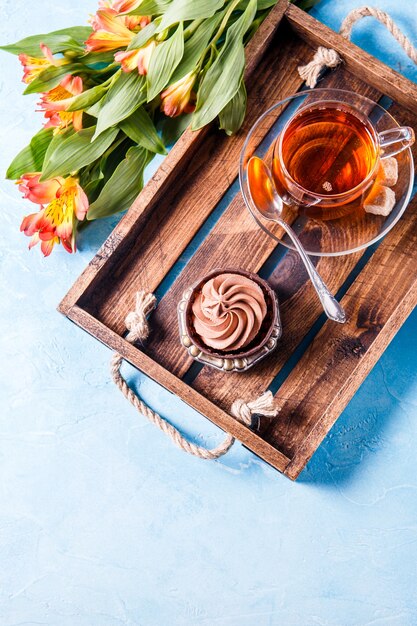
(212, 45)
(190, 30)
(224, 22)
(113, 146)
(105, 154)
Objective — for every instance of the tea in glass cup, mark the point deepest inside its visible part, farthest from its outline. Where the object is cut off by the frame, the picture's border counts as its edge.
(327, 157)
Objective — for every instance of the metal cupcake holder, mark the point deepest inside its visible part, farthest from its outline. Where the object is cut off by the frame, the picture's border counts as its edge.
(240, 360)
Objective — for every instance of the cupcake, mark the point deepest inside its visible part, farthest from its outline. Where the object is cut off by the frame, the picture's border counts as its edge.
(229, 319)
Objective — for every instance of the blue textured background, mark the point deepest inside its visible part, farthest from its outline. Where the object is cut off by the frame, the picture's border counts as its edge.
(103, 522)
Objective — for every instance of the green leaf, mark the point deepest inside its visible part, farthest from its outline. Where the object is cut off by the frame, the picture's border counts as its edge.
(180, 10)
(30, 159)
(164, 60)
(143, 36)
(125, 95)
(58, 41)
(57, 139)
(140, 128)
(92, 186)
(223, 78)
(87, 98)
(124, 185)
(91, 179)
(173, 127)
(232, 116)
(195, 46)
(306, 4)
(262, 4)
(94, 177)
(151, 7)
(95, 109)
(77, 151)
(91, 59)
(51, 77)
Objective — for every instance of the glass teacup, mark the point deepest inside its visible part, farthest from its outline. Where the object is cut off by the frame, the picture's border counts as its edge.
(328, 154)
(334, 229)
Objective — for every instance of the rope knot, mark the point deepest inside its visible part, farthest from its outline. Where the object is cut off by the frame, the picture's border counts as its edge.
(324, 57)
(264, 405)
(136, 321)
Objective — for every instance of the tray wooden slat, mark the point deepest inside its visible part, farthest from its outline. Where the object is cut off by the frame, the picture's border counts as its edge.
(175, 204)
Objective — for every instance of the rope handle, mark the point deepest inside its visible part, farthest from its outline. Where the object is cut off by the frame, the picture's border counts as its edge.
(327, 57)
(138, 330)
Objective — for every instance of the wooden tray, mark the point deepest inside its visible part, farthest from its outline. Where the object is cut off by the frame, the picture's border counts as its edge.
(328, 363)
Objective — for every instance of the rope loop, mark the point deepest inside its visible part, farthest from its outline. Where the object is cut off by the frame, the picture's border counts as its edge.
(138, 327)
(327, 57)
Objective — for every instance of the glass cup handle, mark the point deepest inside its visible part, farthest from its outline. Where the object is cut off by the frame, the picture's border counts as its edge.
(395, 140)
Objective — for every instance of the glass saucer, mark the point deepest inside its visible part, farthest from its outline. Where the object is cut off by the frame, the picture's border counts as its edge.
(333, 236)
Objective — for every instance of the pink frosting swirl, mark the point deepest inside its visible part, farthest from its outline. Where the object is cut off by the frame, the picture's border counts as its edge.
(228, 311)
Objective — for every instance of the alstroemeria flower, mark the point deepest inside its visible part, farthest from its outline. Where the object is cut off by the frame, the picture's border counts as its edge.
(56, 223)
(39, 192)
(111, 31)
(136, 59)
(177, 98)
(55, 102)
(33, 66)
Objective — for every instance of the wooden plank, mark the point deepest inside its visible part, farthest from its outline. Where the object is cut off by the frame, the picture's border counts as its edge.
(228, 244)
(338, 360)
(359, 62)
(165, 177)
(173, 384)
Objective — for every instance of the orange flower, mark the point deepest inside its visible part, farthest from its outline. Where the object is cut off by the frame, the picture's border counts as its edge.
(33, 66)
(110, 31)
(178, 97)
(136, 59)
(37, 192)
(55, 102)
(56, 223)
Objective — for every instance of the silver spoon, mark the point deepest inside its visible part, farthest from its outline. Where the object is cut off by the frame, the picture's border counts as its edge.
(267, 201)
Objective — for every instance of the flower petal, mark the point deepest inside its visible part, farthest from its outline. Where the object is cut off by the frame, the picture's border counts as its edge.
(30, 223)
(37, 192)
(178, 97)
(34, 241)
(47, 246)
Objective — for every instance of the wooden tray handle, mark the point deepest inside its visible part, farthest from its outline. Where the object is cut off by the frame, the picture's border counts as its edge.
(327, 57)
(138, 330)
